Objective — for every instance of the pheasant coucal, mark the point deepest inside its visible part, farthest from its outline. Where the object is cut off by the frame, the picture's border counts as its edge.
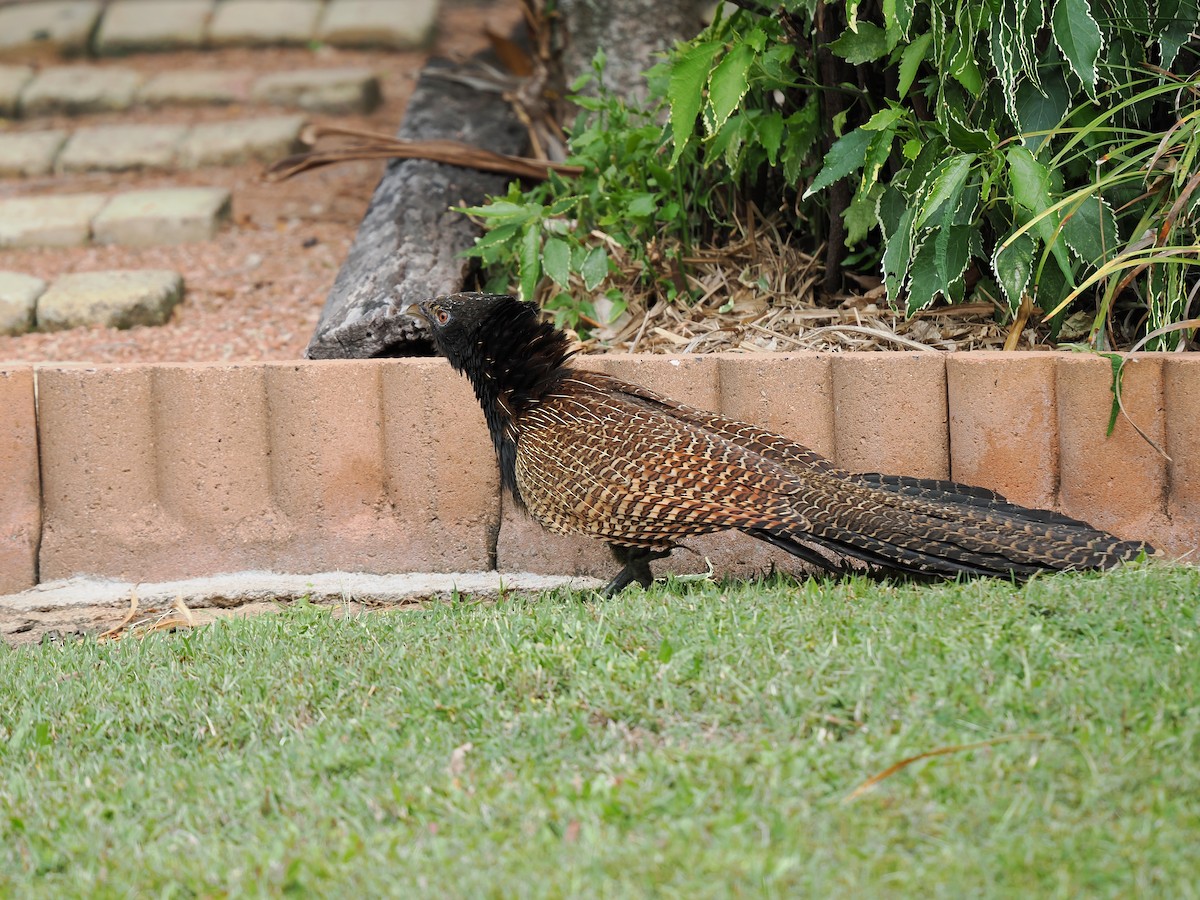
(589, 454)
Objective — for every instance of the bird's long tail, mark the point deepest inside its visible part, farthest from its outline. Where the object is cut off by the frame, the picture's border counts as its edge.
(936, 527)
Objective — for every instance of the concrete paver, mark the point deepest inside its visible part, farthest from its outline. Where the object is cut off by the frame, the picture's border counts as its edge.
(138, 25)
(118, 299)
(258, 22)
(18, 300)
(227, 143)
(62, 221)
(12, 81)
(195, 87)
(344, 90)
(163, 216)
(73, 90)
(30, 152)
(118, 148)
(61, 26)
(399, 24)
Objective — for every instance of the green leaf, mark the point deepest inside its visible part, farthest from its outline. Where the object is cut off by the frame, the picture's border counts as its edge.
(952, 252)
(642, 204)
(884, 119)
(878, 152)
(844, 157)
(595, 268)
(556, 260)
(1176, 20)
(963, 66)
(865, 45)
(896, 256)
(1041, 111)
(685, 92)
(1079, 38)
(1091, 231)
(529, 261)
(728, 84)
(962, 137)
(910, 61)
(860, 217)
(926, 283)
(946, 185)
(1013, 266)
(770, 134)
(1030, 182)
(904, 15)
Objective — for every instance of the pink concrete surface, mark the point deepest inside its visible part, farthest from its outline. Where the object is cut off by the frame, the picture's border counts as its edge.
(1004, 424)
(20, 485)
(891, 413)
(1181, 400)
(381, 466)
(1116, 482)
(158, 472)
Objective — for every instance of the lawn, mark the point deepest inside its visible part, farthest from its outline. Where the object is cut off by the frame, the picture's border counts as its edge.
(694, 740)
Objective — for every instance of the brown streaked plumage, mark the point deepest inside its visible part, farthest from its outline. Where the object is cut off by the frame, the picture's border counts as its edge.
(589, 454)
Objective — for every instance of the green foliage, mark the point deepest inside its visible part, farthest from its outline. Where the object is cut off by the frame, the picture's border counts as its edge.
(1015, 147)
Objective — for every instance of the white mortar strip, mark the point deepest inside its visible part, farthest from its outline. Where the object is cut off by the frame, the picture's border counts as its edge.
(228, 591)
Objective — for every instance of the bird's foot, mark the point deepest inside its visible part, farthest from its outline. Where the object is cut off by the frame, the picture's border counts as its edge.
(636, 567)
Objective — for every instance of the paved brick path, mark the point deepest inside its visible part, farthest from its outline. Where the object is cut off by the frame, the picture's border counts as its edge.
(81, 27)
(45, 71)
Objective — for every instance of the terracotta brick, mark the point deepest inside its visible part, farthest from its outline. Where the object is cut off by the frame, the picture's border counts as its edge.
(1181, 395)
(441, 479)
(789, 394)
(20, 485)
(99, 474)
(175, 471)
(213, 456)
(1119, 482)
(890, 413)
(1004, 424)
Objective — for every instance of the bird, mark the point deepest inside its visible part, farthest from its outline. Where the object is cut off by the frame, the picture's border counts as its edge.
(585, 453)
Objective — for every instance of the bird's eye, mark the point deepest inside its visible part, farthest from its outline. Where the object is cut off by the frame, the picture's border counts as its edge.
(442, 316)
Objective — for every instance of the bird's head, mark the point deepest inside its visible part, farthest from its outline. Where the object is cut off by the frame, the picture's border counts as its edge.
(477, 330)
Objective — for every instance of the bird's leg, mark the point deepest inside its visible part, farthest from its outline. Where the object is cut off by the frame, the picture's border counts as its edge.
(635, 563)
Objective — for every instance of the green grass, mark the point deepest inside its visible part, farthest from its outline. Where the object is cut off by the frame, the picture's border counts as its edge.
(690, 741)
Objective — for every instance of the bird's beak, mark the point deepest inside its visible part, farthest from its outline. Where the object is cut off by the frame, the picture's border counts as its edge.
(416, 310)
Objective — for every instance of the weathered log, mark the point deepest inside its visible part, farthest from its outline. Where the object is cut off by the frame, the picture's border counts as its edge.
(409, 245)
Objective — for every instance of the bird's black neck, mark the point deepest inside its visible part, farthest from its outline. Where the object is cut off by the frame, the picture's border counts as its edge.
(517, 359)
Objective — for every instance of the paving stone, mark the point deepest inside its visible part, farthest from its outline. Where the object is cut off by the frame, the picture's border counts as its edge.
(118, 299)
(61, 26)
(164, 216)
(137, 25)
(30, 152)
(190, 87)
(12, 81)
(18, 300)
(398, 24)
(347, 90)
(228, 143)
(63, 221)
(119, 148)
(72, 90)
(259, 22)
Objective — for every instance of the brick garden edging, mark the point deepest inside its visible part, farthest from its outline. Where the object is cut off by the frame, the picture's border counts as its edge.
(156, 472)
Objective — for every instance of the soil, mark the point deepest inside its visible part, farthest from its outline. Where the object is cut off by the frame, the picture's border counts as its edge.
(255, 292)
